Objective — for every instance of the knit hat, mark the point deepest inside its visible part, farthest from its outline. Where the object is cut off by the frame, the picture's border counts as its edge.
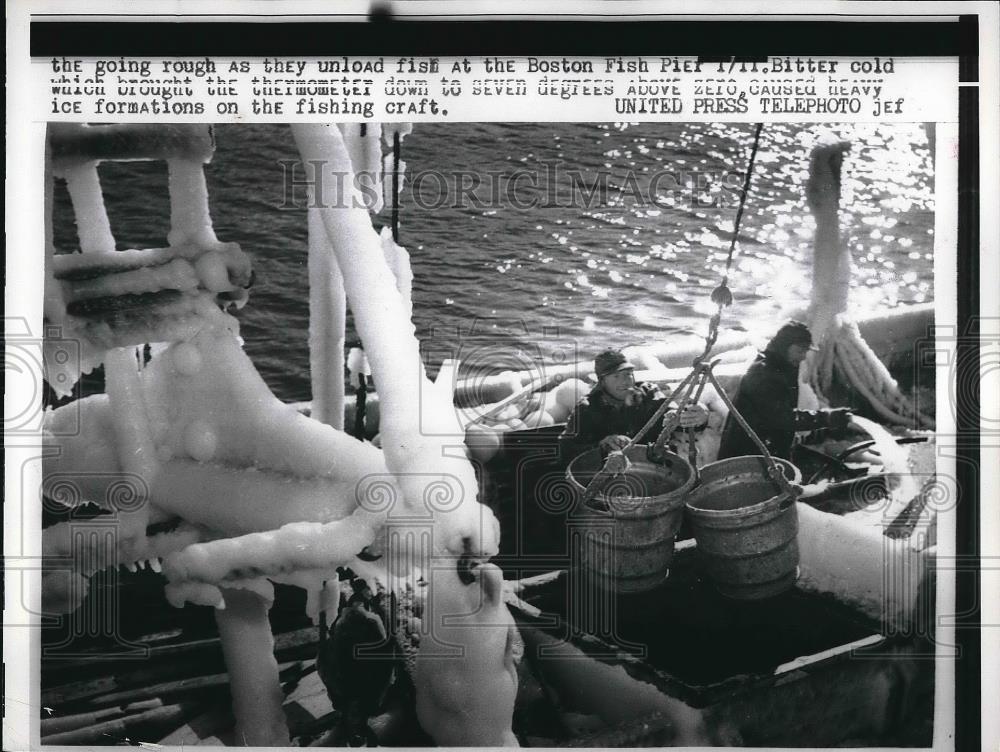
(792, 333)
(611, 361)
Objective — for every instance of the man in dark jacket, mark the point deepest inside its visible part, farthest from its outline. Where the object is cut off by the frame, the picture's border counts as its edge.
(616, 409)
(768, 399)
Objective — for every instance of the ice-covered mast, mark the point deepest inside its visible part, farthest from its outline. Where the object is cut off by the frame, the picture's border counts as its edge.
(842, 349)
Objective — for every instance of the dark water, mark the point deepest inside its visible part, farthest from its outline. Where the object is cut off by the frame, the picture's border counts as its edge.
(537, 267)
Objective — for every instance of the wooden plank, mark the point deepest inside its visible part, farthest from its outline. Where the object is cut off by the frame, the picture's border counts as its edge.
(209, 684)
(61, 724)
(205, 656)
(146, 726)
(147, 675)
(288, 644)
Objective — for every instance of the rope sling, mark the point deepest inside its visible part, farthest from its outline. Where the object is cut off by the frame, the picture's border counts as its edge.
(690, 389)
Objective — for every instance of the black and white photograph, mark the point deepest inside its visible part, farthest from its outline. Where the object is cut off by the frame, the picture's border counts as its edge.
(563, 279)
(611, 432)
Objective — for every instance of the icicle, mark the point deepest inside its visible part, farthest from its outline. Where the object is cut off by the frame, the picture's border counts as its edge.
(190, 221)
(316, 548)
(93, 227)
(248, 647)
(388, 166)
(365, 151)
(137, 454)
(330, 596)
(327, 319)
(398, 260)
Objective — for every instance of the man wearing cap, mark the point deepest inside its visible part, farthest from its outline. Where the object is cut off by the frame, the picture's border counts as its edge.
(768, 399)
(616, 409)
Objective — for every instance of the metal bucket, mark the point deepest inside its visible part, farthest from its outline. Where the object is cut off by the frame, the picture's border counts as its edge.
(746, 531)
(624, 536)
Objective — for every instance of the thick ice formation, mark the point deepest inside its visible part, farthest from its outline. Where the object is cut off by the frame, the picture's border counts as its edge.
(362, 141)
(133, 439)
(831, 258)
(469, 700)
(419, 427)
(859, 565)
(77, 142)
(465, 677)
(327, 319)
(220, 434)
(190, 221)
(398, 260)
(105, 299)
(265, 493)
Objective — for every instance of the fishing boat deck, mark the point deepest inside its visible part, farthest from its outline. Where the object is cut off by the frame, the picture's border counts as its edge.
(157, 673)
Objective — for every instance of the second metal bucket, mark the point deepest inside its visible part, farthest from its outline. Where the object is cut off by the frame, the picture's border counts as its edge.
(624, 536)
(745, 529)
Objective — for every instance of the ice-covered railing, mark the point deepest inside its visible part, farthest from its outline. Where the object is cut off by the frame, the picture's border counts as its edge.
(110, 301)
(106, 299)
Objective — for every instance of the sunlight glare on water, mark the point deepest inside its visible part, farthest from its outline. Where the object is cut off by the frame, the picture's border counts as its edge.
(631, 260)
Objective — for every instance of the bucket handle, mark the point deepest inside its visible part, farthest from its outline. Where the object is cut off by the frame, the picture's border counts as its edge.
(687, 385)
(587, 496)
(788, 500)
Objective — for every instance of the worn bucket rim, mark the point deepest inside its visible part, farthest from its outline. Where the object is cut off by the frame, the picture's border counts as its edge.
(753, 509)
(638, 503)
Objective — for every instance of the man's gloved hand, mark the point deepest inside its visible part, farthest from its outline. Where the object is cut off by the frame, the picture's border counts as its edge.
(613, 443)
(656, 454)
(694, 415)
(838, 419)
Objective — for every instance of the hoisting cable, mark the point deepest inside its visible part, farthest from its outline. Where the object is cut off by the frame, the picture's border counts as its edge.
(722, 296)
(701, 372)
